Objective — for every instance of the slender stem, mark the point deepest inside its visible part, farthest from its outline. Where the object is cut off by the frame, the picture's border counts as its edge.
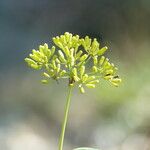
(67, 106)
(87, 60)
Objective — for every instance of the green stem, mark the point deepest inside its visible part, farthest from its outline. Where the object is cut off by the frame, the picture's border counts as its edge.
(87, 60)
(67, 106)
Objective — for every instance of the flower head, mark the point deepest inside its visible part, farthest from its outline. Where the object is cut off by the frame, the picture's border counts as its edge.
(71, 60)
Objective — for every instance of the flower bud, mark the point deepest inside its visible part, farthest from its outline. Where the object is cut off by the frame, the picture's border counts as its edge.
(30, 61)
(94, 47)
(115, 84)
(94, 82)
(57, 60)
(84, 78)
(66, 51)
(58, 68)
(116, 80)
(82, 70)
(74, 70)
(34, 57)
(94, 68)
(59, 44)
(46, 75)
(61, 56)
(95, 60)
(35, 66)
(61, 53)
(52, 50)
(68, 36)
(72, 52)
(90, 85)
(91, 78)
(102, 50)
(44, 81)
(84, 57)
(79, 54)
(109, 71)
(62, 73)
(51, 72)
(108, 77)
(81, 89)
(87, 42)
(54, 64)
(101, 61)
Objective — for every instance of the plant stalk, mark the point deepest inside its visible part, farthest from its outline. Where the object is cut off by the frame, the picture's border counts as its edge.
(67, 106)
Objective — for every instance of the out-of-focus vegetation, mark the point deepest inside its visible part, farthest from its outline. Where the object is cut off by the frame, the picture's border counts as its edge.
(106, 117)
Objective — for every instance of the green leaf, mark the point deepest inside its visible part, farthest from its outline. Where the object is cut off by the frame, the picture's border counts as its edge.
(85, 148)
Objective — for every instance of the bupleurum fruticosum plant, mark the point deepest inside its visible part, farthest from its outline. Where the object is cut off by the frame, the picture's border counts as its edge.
(80, 60)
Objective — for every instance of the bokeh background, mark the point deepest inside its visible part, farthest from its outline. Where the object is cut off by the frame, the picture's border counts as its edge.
(106, 117)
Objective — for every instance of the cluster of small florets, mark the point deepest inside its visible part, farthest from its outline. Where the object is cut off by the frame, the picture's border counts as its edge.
(80, 60)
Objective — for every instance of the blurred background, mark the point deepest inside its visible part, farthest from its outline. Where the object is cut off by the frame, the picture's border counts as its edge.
(106, 117)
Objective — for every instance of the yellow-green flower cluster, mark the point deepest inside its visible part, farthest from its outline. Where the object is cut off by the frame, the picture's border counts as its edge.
(71, 59)
(41, 57)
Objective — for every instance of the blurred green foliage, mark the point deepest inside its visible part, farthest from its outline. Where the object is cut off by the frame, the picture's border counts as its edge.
(116, 117)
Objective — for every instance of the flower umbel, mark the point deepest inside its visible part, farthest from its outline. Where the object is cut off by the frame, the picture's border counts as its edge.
(71, 60)
(80, 60)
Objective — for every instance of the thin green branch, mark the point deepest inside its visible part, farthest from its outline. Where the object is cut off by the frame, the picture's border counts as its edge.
(61, 140)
